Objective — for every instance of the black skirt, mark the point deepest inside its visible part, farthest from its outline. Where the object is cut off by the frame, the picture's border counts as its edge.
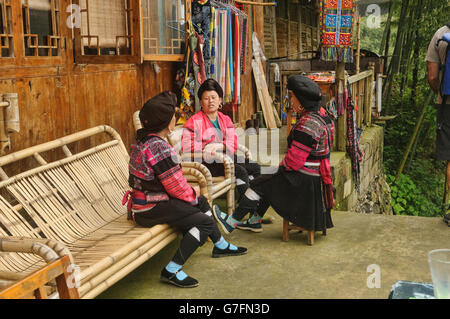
(295, 196)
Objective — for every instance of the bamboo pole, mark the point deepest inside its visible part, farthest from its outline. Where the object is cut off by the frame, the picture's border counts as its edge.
(358, 39)
(252, 3)
(413, 137)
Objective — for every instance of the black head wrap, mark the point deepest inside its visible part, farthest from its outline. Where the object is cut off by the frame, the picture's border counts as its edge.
(157, 113)
(306, 91)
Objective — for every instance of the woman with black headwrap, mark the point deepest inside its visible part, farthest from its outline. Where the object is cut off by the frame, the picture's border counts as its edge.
(301, 190)
(162, 195)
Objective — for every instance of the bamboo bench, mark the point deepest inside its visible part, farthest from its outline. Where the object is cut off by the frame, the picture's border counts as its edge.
(75, 204)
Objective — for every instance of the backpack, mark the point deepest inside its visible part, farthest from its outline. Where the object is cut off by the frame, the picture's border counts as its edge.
(445, 84)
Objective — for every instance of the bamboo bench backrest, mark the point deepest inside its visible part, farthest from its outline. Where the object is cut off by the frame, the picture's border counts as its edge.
(67, 199)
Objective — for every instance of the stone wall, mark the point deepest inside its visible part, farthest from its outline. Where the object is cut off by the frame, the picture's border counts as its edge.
(373, 194)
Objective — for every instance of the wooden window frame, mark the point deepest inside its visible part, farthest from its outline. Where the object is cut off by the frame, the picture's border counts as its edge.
(9, 60)
(167, 57)
(18, 32)
(136, 51)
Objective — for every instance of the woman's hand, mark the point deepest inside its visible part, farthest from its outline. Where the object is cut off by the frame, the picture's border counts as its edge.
(210, 150)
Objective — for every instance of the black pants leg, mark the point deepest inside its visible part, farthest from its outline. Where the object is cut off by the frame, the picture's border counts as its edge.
(253, 200)
(192, 221)
(245, 171)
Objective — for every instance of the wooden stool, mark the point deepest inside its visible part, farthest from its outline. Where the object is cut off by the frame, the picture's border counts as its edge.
(288, 226)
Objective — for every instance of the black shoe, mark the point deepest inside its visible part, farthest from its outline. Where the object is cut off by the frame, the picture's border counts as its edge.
(216, 253)
(171, 278)
(256, 227)
(447, 219)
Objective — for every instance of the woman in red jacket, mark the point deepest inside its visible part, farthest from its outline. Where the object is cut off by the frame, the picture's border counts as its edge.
(210, 130)
(161, 194)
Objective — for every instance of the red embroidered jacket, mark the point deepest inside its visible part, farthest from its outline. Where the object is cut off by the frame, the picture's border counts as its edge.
(156, 175)
(310, 143)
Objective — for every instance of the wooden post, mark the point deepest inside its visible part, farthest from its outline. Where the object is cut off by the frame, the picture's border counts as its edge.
(358, 39)
(300, 28)
(370, 79)
(342, 120)
(273, 18)
(288, 30)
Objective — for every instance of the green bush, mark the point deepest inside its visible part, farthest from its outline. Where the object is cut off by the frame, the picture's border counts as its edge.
(408, 199)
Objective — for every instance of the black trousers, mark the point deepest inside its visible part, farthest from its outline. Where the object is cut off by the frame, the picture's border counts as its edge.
(243, 169)
(195, 222)
(443, 132)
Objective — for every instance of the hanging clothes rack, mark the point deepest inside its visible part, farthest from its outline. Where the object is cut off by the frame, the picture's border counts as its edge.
(252, 3)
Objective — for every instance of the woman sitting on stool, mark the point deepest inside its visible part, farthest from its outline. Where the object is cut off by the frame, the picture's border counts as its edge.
(301, 190)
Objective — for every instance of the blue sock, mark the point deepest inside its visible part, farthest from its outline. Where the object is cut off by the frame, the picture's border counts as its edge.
(173, 268)
(223, 244)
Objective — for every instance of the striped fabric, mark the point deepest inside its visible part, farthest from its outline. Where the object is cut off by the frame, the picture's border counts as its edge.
(156, 175)
(308, 142)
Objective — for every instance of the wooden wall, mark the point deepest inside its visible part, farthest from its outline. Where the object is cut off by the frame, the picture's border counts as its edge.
(294, 29)
(57, 99)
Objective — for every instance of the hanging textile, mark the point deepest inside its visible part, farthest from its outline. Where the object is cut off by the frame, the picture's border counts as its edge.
(201, 20)
(223, 30)
(353, 136)
(244, 44)
(336, 25)
(213, 30)
(237, 56)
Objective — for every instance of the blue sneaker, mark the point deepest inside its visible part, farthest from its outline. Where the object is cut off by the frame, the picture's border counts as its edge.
(221, 218)
(256, 227)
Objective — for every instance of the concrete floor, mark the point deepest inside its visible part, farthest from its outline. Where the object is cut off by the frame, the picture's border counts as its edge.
(336, 266)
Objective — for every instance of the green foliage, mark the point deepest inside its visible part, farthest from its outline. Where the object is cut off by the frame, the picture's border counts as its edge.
(419, 190)
(408, 198)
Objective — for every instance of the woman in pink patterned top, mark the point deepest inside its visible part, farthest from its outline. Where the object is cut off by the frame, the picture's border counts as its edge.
(161, 194)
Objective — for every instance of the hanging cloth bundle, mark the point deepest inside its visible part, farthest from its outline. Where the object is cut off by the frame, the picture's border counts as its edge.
(224, 31)
(336, 25)
(353, 137)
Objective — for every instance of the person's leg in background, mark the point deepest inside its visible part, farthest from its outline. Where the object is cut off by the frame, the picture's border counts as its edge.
(447, 195)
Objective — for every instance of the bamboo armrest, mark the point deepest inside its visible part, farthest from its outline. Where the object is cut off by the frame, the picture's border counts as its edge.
(50, 250)
(200, 167)
(205, 186)
(245, 150)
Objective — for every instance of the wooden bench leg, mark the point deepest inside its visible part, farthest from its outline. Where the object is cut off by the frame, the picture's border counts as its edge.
(310, 237)
(285, 230)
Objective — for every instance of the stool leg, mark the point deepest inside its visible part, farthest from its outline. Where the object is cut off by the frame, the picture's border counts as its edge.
(310, 237)
(285, 230)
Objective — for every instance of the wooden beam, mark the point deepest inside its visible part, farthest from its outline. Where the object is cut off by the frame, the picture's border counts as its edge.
(358, 77)
(35, 282)
(253, 3)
